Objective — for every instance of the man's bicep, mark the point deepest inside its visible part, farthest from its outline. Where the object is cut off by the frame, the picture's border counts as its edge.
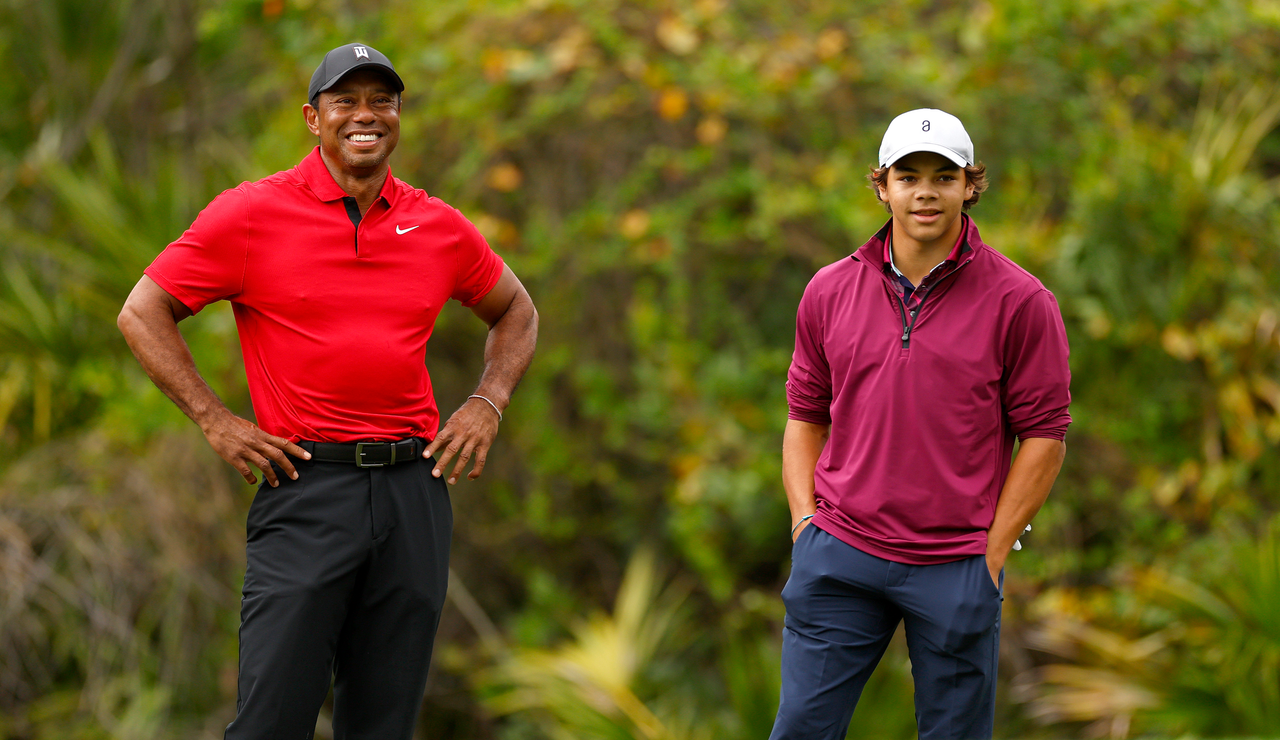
(808, 383)
(148, 297)
(497, 301)
(209, 261)
(1036, 391)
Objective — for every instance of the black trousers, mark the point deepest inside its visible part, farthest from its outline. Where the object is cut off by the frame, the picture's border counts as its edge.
(346, 577)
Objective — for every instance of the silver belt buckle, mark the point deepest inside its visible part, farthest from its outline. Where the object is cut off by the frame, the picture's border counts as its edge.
(360, 463)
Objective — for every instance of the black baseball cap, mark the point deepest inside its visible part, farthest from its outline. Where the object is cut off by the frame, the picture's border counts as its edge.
(348, 58)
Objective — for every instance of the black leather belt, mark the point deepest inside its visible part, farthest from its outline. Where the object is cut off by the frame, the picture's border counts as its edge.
(367, 454)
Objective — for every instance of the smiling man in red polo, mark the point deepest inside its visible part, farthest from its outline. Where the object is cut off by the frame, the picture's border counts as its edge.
(336, 271)
(919, 359)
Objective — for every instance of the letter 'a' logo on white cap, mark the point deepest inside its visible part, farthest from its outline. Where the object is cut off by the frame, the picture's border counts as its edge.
(361, 52)
(926, 130)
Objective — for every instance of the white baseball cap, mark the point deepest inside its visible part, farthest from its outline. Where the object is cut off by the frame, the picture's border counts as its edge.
(926, 130)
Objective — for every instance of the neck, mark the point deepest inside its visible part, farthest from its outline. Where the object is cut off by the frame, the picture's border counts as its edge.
(361, 185)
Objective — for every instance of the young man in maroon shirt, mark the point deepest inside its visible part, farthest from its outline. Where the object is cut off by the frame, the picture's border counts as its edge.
(336, 271)
(919, 360)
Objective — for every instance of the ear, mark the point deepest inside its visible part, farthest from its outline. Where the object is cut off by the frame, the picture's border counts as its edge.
(312, 117)
(968, 187)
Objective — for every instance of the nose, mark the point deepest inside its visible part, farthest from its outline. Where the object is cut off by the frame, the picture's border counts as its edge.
(364, 111)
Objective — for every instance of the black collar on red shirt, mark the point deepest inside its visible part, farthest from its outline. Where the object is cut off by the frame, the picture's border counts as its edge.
(326, 188)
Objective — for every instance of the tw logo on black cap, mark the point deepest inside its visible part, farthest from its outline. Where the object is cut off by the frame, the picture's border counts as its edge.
(337, 63)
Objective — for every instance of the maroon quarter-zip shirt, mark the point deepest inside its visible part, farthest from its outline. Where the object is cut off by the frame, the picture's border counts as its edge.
(924, 408)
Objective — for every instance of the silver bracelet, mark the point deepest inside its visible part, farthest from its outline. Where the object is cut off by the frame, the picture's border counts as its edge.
(803, 519)
(491, 403)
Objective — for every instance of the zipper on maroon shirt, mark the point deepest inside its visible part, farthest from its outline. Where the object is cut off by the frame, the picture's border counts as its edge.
(902, 307)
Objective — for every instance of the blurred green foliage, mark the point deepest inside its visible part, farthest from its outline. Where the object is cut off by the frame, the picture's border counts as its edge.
(665, 178)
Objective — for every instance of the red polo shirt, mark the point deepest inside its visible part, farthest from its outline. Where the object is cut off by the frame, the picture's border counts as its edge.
(333, 317)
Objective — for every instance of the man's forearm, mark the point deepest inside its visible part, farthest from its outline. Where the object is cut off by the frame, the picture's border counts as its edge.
(158, 345)
(1025, 490)
(508, 351)
(802, 445)
(149, 323)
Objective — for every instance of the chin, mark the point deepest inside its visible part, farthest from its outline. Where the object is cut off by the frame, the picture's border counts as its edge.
(364, 159)
(926, 235)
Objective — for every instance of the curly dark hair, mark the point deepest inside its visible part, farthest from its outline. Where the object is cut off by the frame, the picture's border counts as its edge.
(976, 175)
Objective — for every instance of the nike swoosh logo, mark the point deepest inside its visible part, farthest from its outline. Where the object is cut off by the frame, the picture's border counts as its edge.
(405, 231)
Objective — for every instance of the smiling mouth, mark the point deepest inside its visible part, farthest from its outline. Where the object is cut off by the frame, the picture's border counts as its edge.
(364, 137)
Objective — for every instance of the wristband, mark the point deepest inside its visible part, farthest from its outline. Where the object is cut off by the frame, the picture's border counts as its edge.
(491, 403)
(803, 519)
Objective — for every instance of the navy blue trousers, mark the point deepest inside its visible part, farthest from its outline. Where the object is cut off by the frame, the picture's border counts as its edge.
(844, 605)
(345, 581)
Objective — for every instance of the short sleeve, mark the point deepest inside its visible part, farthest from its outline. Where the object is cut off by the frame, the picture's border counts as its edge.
(809, 378)
(1037, 375)
(478, 266)
(207, 263)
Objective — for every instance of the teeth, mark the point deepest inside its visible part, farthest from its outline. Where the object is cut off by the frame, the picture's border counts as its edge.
(364, 137)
